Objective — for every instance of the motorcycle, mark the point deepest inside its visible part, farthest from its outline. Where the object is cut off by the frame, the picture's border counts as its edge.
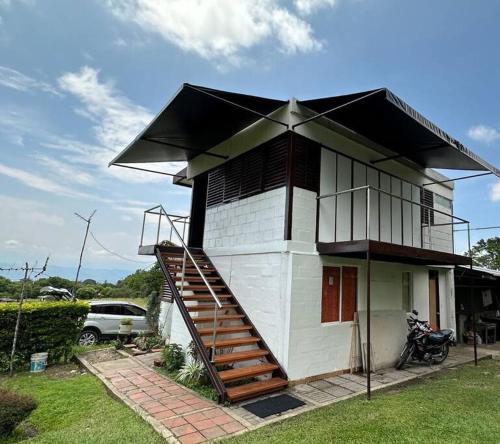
(424, 344)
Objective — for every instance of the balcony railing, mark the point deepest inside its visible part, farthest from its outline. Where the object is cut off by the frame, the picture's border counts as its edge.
(152, 220)
(368, 212)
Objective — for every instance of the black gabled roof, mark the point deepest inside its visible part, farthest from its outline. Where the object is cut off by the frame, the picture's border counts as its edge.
(387, 120)
(199, 118)
(195, 120)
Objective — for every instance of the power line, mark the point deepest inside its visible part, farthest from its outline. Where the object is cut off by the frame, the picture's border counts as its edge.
(480, 228)
(115, 253)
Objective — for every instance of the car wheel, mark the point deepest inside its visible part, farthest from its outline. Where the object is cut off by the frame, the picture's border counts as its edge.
(88, 337)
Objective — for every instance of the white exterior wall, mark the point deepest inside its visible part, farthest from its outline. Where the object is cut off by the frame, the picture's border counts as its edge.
(320, 348)
(254, 220)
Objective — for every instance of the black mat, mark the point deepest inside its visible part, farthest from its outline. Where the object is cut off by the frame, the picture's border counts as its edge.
(272, 406)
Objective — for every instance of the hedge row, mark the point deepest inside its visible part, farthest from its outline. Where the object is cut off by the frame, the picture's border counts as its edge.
(45, 327)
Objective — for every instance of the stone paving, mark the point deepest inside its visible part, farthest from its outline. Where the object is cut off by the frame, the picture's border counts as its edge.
(330, 390)
(181, 415)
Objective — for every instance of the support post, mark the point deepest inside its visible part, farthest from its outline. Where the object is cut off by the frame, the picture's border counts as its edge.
(474, 328)
(368, 326)
(18, 322)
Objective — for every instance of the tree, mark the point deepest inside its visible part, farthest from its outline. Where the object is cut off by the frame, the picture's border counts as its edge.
(86, 292)
(486, 253)
(143, 282)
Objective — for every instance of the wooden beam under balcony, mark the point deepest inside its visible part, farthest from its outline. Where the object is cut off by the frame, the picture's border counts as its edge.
(384, 251)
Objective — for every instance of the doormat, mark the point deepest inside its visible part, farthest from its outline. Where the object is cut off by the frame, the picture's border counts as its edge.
(273, 406)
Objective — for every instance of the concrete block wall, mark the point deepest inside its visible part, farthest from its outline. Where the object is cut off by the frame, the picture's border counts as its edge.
(253, 220)
(259, 282)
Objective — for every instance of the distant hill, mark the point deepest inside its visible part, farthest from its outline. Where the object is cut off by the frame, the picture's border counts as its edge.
(98, 274)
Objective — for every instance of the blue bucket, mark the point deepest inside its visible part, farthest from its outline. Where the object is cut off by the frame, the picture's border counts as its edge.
(38, 362)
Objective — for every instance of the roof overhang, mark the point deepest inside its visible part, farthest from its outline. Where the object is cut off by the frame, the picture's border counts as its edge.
(382, 117)
(194, 121)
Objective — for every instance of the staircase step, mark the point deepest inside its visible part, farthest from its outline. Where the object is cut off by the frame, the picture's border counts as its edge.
(235, 342)
(210, 307)
(205, 297)
(204, 319)
(255, 389)
(193, 271)
(201, 287)
(227, 358)
(224, 330)
(197, 278)
(246, 372)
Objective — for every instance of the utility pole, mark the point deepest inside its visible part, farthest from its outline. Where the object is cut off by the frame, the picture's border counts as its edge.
(27, 274)
(87, 221)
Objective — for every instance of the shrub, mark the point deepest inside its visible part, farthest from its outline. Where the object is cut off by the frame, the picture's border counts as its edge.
(173, 357)
(153, 310)
(14, 408)
(45, 326)
(147, 342)
(192, 371)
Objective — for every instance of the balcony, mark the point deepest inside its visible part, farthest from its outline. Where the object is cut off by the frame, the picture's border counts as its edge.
(389, 227)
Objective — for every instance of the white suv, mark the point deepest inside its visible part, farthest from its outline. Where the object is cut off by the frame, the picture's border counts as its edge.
(104, 320)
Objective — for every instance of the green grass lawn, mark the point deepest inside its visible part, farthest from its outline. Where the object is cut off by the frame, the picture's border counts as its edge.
(455, 406)
(76, 409)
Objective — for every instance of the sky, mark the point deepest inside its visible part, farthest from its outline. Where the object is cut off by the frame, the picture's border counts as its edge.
(79, 80)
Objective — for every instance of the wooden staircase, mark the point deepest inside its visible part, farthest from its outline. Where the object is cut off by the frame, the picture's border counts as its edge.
(243, 366)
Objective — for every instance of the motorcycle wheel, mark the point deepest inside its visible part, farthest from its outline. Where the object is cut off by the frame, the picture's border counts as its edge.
(403, 358)
(444, 355)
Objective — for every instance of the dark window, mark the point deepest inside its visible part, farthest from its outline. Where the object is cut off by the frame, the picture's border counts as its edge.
(261, 169)
(131, 310)
(113, 310)
(307, 164)
(427, 198)
(97, 308)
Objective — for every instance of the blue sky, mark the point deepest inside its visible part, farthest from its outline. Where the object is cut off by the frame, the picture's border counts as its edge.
(78, 80)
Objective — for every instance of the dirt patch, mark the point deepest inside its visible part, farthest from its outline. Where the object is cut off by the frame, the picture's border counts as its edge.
(108, 354)
(28, 430)
(63, 371)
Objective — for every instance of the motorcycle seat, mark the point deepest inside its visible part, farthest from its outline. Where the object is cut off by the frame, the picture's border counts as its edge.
(440, 336)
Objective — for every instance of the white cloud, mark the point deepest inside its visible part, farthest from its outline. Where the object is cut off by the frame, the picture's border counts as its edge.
(495, 192)
(223, 30)
(309, 6)
(34, 212)
(11, 78)
(12, 243)
(116, 120)
(40, 183)
(65, 171)
(483, 133)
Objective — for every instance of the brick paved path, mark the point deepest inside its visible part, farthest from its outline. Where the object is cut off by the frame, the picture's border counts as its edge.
(189, 417)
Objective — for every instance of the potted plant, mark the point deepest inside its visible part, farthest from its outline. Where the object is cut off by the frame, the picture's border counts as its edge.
(125, 326)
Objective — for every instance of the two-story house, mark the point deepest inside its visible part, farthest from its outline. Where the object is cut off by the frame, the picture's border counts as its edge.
(315, 226)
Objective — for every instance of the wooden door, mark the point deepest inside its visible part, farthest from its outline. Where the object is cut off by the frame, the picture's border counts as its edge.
(330, 298)
(349, 292)
(434, 299)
